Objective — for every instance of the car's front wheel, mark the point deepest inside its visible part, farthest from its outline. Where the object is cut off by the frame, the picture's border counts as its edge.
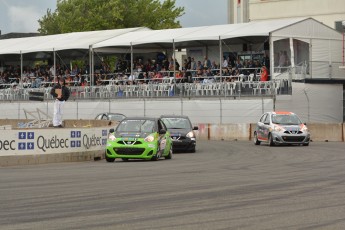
(157, 156)
(108, 159)
(270, 140)
(256, 141)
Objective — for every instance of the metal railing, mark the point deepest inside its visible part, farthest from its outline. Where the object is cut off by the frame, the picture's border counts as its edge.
(159, 90)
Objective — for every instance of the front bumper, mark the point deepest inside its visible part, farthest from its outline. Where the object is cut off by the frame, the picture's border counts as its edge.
(284, 138)
(186, 144)
(141, 151)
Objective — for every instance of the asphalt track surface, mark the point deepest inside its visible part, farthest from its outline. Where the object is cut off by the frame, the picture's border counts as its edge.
(224, 185)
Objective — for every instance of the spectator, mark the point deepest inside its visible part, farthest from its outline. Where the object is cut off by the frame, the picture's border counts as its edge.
(207, 63)
(264, 74)
(225, 63)
(61, 94)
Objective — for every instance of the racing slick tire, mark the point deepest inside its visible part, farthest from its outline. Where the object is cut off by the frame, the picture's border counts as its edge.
(270, 140)
(256, 141)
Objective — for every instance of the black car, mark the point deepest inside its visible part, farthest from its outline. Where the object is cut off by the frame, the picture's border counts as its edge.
(110, 116)
(181, 132)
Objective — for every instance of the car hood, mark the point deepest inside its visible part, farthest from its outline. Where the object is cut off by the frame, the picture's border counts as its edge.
(292, 128)
(179, 132)
(131, 135)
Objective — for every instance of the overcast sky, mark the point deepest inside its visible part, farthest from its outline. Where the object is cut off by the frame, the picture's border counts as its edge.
(22, 15)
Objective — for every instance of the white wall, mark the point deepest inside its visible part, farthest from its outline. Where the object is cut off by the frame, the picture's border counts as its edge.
(325, 11)
(312, 102)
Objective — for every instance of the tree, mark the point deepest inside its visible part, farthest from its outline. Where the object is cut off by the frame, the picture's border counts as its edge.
(89, 15)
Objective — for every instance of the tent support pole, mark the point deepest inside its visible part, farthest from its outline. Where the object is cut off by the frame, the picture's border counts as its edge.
(21, 70)
(92, 67)
(54, 61)
(292, 58)
(271, 56)
(174, 61)
(220, 59)
(132, 60)
(90, 61)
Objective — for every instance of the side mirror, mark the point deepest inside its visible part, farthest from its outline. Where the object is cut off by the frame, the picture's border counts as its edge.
(162, 131)
(111, 130)
(195, 128)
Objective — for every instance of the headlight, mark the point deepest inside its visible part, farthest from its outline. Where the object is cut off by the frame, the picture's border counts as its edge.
(149, 138)
(304, 128)
(278, 128)
(190, 134)
(111, 137)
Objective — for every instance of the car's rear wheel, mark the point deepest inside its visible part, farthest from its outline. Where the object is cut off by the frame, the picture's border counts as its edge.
(256, 141)
(270, 140)
(108, 159)
(170, 155)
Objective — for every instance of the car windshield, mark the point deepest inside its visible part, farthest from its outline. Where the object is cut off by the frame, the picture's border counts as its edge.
(177, 123)
(286, 119)
(142, 126)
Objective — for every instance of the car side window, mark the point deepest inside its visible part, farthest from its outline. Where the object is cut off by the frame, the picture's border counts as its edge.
(161, 125)
(267, 119)
(262, 119)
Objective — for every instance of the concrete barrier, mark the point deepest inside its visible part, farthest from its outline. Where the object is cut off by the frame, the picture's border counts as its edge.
(66, 123)
(84, 140)
(79, 140)
(318, 131)
(326, 131)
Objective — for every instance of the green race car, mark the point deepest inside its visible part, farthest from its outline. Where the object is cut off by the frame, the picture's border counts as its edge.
(139, 138)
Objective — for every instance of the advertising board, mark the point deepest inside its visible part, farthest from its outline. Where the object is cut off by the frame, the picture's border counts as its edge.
(51, 141)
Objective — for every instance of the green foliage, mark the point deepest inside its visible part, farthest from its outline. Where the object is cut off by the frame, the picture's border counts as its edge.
(78, 62)
(89, 15)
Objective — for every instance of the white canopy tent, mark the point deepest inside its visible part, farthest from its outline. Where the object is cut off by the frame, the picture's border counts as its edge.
(324, 42)
(305, 39)
(53, 43)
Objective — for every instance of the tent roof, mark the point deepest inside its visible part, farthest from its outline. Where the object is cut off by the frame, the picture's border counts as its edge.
(75, 40)
(197, 35)
(144, 38)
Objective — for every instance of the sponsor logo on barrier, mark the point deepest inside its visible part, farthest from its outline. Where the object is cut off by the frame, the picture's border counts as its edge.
(26, 141)
(30, 140)
(51, 143)
(7, 145)
(76, 139)
(92, 141)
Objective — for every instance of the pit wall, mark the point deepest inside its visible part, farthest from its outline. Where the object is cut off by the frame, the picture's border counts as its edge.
(86, 140)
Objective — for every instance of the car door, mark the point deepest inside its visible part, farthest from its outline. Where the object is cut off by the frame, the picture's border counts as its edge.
(261, 127)
(163, 138)
(266, 126)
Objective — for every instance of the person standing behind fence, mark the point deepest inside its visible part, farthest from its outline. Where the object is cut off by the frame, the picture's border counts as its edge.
(61, 93)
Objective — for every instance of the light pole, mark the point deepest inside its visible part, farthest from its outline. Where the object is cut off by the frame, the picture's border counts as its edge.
(343, 24)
